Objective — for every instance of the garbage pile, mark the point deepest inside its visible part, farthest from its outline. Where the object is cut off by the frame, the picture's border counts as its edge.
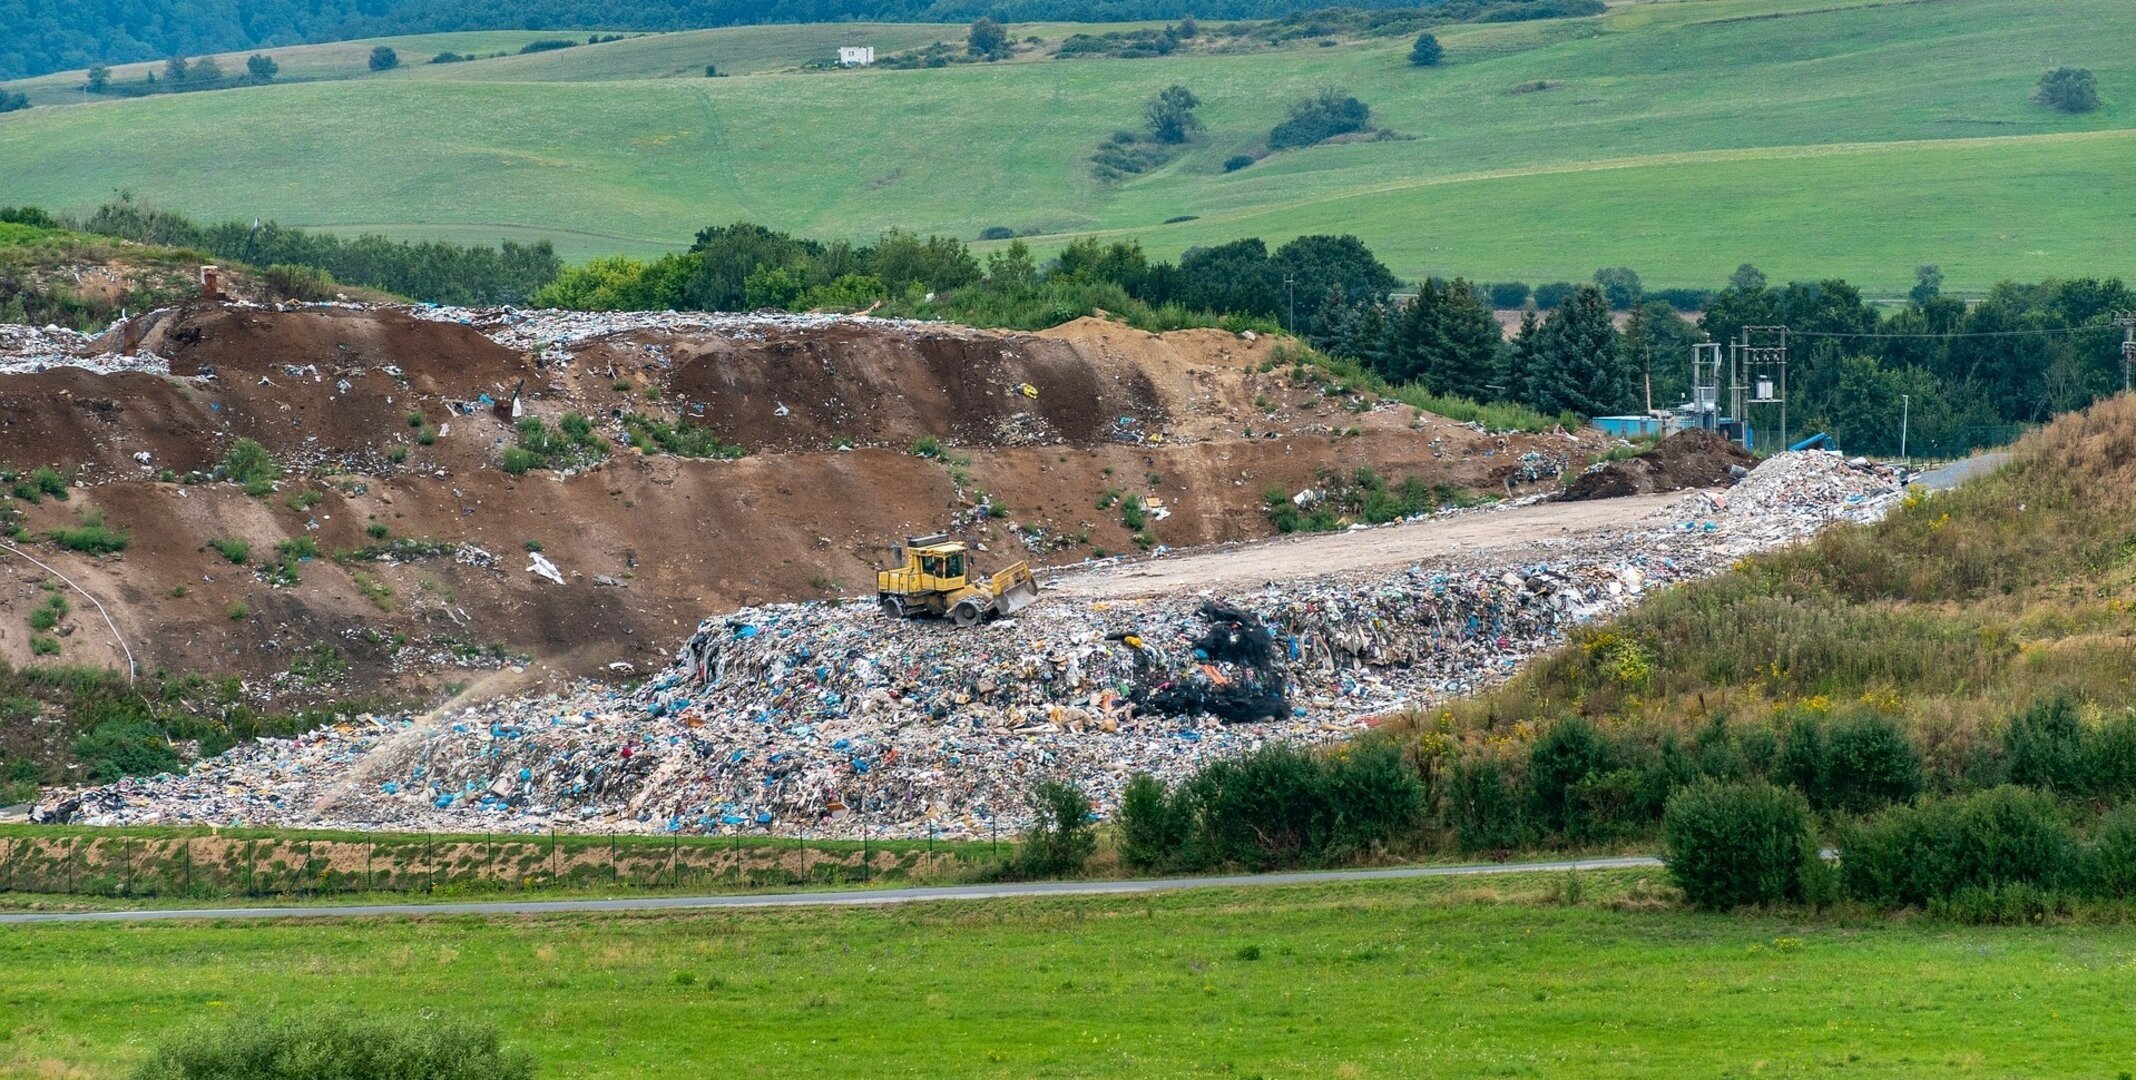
(812, 719)
(1806, 488)
(27, 350)
(546, 329)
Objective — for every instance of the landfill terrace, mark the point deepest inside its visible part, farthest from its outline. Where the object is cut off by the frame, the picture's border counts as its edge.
(824, 718)
(653, 467)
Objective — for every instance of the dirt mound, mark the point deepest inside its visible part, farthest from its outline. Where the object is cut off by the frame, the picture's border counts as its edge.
(1687, 459)
(807, 390)
(432, 357)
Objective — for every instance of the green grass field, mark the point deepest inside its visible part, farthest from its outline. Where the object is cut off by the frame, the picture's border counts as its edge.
(1441, 979)
(1681, 138)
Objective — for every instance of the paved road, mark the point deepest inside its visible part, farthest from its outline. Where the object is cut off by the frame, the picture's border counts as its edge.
(1958, 472)
(848, 898)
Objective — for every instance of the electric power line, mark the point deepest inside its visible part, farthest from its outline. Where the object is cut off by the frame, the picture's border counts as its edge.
(1955, 334)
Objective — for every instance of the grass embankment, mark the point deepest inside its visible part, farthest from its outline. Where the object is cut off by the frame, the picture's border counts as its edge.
(187, 864)
(1878, 136)
(1956, 614)
(1439, 978)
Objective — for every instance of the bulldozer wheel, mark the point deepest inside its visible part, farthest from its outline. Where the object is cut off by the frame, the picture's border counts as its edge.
(966, 614)
(893, 607)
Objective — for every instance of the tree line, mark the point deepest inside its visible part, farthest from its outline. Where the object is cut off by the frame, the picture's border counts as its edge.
(1962, 373)
(1958, 374)
(56, 35)
(441, 273)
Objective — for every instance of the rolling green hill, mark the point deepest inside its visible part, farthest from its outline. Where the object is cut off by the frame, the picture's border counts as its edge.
(1682, 138)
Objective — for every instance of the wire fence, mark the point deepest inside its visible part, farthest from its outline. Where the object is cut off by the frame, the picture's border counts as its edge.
(121, 864)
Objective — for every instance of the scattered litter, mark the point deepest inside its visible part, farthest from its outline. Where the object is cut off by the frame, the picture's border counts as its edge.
(539, 565)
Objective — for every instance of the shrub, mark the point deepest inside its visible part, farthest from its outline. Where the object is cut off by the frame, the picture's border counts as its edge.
(1134, 513)
(121, 747)
(1855, 764)
(1060, 840)
(571, 444)
(1257, 811)
(545, 45)
(1912, 855)
(1568, 753)
(1869, 762)
(1149, 835)
(1237, 161)
(1373, 796)
(293, 282)
(47, 480)
(1327, 114)
(1284, 806)
(92, 536)
(997, 232)
(2045, 747)
(1550, 296)
(383, 58)
(1486, 813)
(47, 615)
(681, 438)
(248, 463)
(1427, 52)
(2069, 89)
(1732, 845)
(517, 460)
(337, 1045)
(2108, 867)
(1508, 294)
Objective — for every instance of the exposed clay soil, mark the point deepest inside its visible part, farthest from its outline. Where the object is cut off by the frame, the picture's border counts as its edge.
(330, 390)
(1687, 459)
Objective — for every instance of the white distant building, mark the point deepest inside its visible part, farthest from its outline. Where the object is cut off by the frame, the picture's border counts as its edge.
(856, 55)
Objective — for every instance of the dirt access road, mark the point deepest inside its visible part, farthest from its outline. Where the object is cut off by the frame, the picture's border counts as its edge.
(1365, 549)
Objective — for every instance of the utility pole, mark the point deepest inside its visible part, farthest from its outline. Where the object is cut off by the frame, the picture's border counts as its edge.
(2127, 321)
(1290, 290)
(1905, 414)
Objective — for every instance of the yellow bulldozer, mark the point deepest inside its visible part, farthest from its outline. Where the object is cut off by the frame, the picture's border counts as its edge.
(937, 579)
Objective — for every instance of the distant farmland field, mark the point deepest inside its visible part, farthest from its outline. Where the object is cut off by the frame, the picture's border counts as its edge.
(1811, 138)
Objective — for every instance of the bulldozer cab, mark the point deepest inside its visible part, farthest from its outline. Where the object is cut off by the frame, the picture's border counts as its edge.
(942, 567)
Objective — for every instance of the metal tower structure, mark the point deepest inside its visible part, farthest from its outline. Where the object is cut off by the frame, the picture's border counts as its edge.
(1758, 370)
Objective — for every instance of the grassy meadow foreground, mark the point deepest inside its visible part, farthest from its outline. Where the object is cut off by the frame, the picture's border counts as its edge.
(1819, 140)
(1440, 978)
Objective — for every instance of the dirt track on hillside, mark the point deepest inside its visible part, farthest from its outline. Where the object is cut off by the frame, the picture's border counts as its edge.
(1391, 546)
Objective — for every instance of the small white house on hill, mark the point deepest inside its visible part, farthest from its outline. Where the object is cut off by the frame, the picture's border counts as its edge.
(856, 55)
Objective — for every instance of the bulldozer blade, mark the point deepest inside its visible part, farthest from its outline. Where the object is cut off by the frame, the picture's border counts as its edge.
(1016, 597)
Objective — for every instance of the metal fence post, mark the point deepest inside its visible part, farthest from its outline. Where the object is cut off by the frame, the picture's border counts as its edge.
(615, 876)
